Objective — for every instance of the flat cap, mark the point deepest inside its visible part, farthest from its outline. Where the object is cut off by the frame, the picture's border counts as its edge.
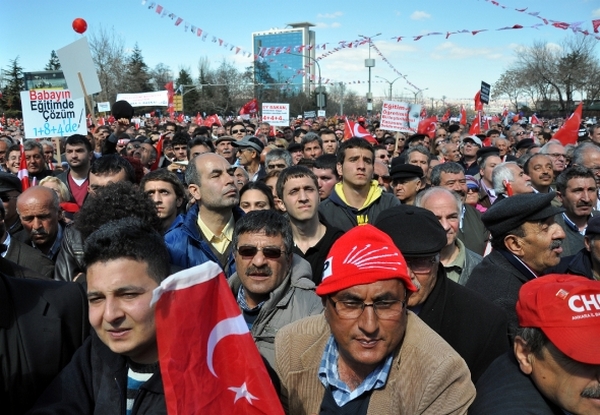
(510, 213)
(224, 138)
(250, 141)
(414, 230)
(525, 143)
(8, 182)
(406, 171)
(593, 226)
(484, 152)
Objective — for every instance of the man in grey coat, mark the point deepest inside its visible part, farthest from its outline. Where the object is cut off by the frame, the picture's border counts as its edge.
(272, 285)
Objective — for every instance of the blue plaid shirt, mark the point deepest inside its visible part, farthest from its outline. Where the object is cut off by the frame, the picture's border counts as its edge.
(329, 375)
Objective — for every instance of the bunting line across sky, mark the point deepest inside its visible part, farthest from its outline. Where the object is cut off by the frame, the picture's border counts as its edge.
(446, 66)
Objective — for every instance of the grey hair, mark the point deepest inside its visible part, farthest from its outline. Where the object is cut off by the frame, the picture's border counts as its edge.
(435, 191)
(277, 154)
(501, 173)
(449, 167)
(577, 159)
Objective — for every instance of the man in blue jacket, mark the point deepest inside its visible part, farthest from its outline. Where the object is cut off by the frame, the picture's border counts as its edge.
(206, 231)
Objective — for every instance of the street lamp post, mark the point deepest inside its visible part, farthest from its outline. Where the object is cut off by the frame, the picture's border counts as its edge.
(369, 63)
(391, 83)
(416, 93)
(320, 97)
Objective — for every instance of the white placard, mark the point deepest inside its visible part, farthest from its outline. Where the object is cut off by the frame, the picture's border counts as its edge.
(146, 99)
(276, 114)
(104, 107)
(400, 116)
(321, 113)
(75, 59)
(52, 113)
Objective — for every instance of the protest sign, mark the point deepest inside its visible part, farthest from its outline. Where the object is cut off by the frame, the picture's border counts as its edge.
(400, 116)
(276, 114)
(103, 107)
(51, 113)
(146, 99)
(78, 67)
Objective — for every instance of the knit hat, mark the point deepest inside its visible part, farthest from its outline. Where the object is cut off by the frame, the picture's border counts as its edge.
(363, 255)
(567, 310)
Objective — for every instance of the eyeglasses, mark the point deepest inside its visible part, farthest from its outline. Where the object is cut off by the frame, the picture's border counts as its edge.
(351, 310)
(557, 155)
(276, 166)
(421, 265)
(270, 252)
(237, 131)
(520, 133)
(386, 179)
(5, 197)
(472, 189)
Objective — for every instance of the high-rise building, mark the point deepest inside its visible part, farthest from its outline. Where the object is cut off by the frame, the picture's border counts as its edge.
(280, 60)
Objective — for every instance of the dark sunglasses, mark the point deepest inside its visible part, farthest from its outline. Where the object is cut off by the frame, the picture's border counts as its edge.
(5, 198)
(237, 131)
(386, 179)
(271, 252)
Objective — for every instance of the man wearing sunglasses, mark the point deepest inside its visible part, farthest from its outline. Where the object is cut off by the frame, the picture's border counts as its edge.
(238, 130)
(473, 326)
(368, 353)
(272, 285)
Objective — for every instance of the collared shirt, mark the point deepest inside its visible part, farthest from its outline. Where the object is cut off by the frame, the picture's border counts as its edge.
(55, 246)
(220, 242)
(490, 192)
(7, 243)
(572, 225)
(454, 269)
(250, 314)
(329, 375)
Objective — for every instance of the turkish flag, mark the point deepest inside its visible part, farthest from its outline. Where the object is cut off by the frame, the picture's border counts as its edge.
(199, 120)
(478, 103)
(476, 126)
(423, 112)
(23, 173)
(446, 116)
(596, 24)
(208, 360)
(568, 133)
(249, 107)
(212, 119)
(535, 120)
(180, 118)
(159, 150)
(170, 93)
(354, 129)
(428, 126)
(463, 115)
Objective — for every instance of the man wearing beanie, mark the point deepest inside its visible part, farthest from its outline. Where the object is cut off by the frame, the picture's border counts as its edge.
(367, 354)
(525, 241)
(555, 365)
(472, 325)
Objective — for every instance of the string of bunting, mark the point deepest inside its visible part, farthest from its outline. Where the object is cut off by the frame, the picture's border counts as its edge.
(575, 26)
(393, 67)
(190, 28)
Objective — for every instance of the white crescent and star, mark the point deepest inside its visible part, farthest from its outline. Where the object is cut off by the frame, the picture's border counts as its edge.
(227, 327)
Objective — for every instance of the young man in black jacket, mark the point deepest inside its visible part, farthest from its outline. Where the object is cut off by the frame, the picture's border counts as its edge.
(116, 370)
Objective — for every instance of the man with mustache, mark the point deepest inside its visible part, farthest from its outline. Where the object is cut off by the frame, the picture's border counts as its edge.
(554, 366)
(577, 190)
(471, 231)
(206, 231)
(272, 285)
(525, 241)
(41, 216)
(539, 169)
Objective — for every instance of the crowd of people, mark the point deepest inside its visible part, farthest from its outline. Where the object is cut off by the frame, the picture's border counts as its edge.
(420, 275)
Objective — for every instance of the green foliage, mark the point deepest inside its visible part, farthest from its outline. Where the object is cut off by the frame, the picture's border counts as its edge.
(53, 64)
(13, 83)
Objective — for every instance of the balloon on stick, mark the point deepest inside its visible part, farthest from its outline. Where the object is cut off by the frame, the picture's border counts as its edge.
(79, 25)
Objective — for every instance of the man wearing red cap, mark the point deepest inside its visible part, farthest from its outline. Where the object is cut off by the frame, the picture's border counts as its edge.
(555, 365)
(367, 354)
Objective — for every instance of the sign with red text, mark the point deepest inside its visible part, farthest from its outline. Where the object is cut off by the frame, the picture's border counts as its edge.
(400, 116)
(146, 99)
(52, 113)
(276, 114)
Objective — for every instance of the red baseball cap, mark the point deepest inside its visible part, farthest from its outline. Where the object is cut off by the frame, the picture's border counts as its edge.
(567, 310)
(363, 255)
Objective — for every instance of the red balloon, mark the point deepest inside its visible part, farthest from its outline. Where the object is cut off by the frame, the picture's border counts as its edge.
(79, 25)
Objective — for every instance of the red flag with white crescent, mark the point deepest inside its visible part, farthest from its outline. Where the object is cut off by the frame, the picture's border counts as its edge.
(476, 125)
(354, 129)
(208, 360)
(428, 126)
(463, 115)
(535, 120)
(159, 151)
(446, 116)
(569, 132)
(23, 173)
(199, 120)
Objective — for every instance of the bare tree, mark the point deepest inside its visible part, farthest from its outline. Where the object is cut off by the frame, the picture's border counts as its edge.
(108, 53)
(161, 75)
